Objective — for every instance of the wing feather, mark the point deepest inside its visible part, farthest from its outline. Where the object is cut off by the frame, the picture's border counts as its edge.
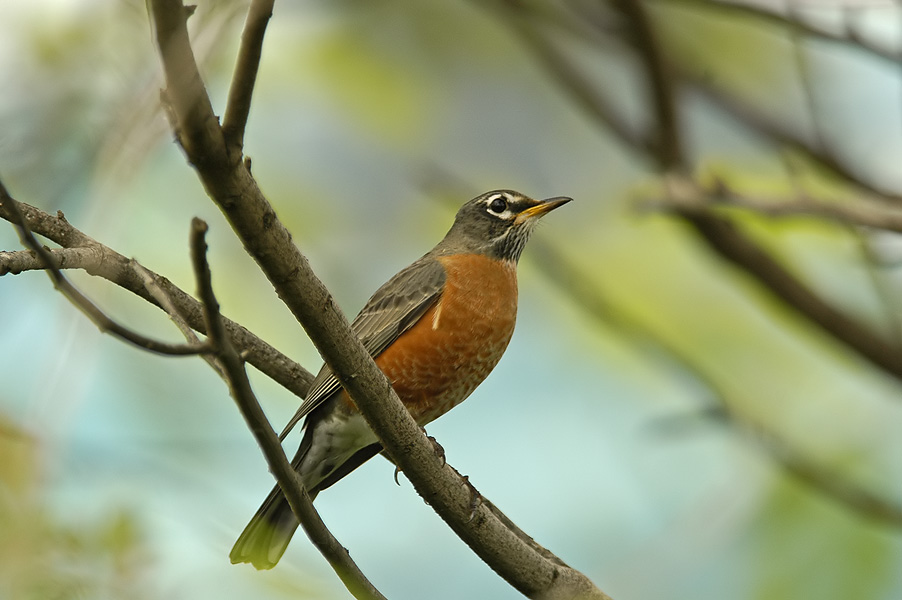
(392, 310)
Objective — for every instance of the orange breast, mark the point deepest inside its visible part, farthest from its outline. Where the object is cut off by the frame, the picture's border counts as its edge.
(438, 362)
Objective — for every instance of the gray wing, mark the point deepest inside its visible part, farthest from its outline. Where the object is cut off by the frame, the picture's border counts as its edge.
(392, 310)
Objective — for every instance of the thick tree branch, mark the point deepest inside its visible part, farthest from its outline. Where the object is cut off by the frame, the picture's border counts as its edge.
(232, 188)
(82, 252)
(232, 367)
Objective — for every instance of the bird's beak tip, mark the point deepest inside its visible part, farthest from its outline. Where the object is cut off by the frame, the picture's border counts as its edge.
(543, 207)
(557, 201)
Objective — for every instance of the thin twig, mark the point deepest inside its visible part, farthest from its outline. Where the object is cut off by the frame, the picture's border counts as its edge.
(83, 252)
(242, 89)
(82, 302)
(761, 14)
(165, 301)
(882, 291)
(858, 213)
(761, 124)
(240, 388)
(806, 80)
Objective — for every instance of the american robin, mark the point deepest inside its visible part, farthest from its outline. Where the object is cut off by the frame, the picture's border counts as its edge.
(436, 329)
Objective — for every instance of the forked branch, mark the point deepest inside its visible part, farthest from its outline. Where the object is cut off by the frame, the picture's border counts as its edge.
(104, 322)
(232, 188)
(80, 251)
(232, 369)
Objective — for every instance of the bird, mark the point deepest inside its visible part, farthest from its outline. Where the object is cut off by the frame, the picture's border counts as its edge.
(436, 329)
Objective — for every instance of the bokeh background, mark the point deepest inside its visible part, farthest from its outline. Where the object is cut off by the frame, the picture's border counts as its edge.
(661, 421)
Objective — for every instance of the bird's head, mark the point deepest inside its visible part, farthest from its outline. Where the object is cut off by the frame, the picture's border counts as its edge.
(497, 224)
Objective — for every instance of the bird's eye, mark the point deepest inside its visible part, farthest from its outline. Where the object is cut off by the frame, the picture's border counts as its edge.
(498, 205)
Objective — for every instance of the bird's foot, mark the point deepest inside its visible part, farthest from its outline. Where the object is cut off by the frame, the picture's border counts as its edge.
(475, 497)
(439, 451)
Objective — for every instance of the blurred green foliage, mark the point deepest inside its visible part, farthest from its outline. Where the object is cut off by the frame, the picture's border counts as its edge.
(44, 555)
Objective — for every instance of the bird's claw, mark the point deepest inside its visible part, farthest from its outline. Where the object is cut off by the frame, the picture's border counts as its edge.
(436, 447)
(475, 497)
(439, 451)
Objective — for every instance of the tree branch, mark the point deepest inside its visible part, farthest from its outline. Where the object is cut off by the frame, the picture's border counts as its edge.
(79, 300)
(232, 367)
(726, 239)
(860, 213)
(82, 252)
(798, 27)
(242, 89)
(859, 500)
(196, 127)
(823, 158)
(577, 284)
(668, 151)
(232, 188)
(520, 19)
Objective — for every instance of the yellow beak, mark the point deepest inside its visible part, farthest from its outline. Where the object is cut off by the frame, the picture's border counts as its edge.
(542, 207)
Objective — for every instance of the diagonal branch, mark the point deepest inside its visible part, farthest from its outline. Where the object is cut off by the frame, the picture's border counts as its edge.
(731, 244)
(558, 67)
(240, 388)
(232, 188)
(196, 127)
(727, 240)
(577, 284)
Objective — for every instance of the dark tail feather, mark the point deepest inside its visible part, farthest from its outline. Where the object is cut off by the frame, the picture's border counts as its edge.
(264, 540)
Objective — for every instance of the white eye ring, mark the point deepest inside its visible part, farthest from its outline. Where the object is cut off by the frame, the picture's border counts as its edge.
(498, 205)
